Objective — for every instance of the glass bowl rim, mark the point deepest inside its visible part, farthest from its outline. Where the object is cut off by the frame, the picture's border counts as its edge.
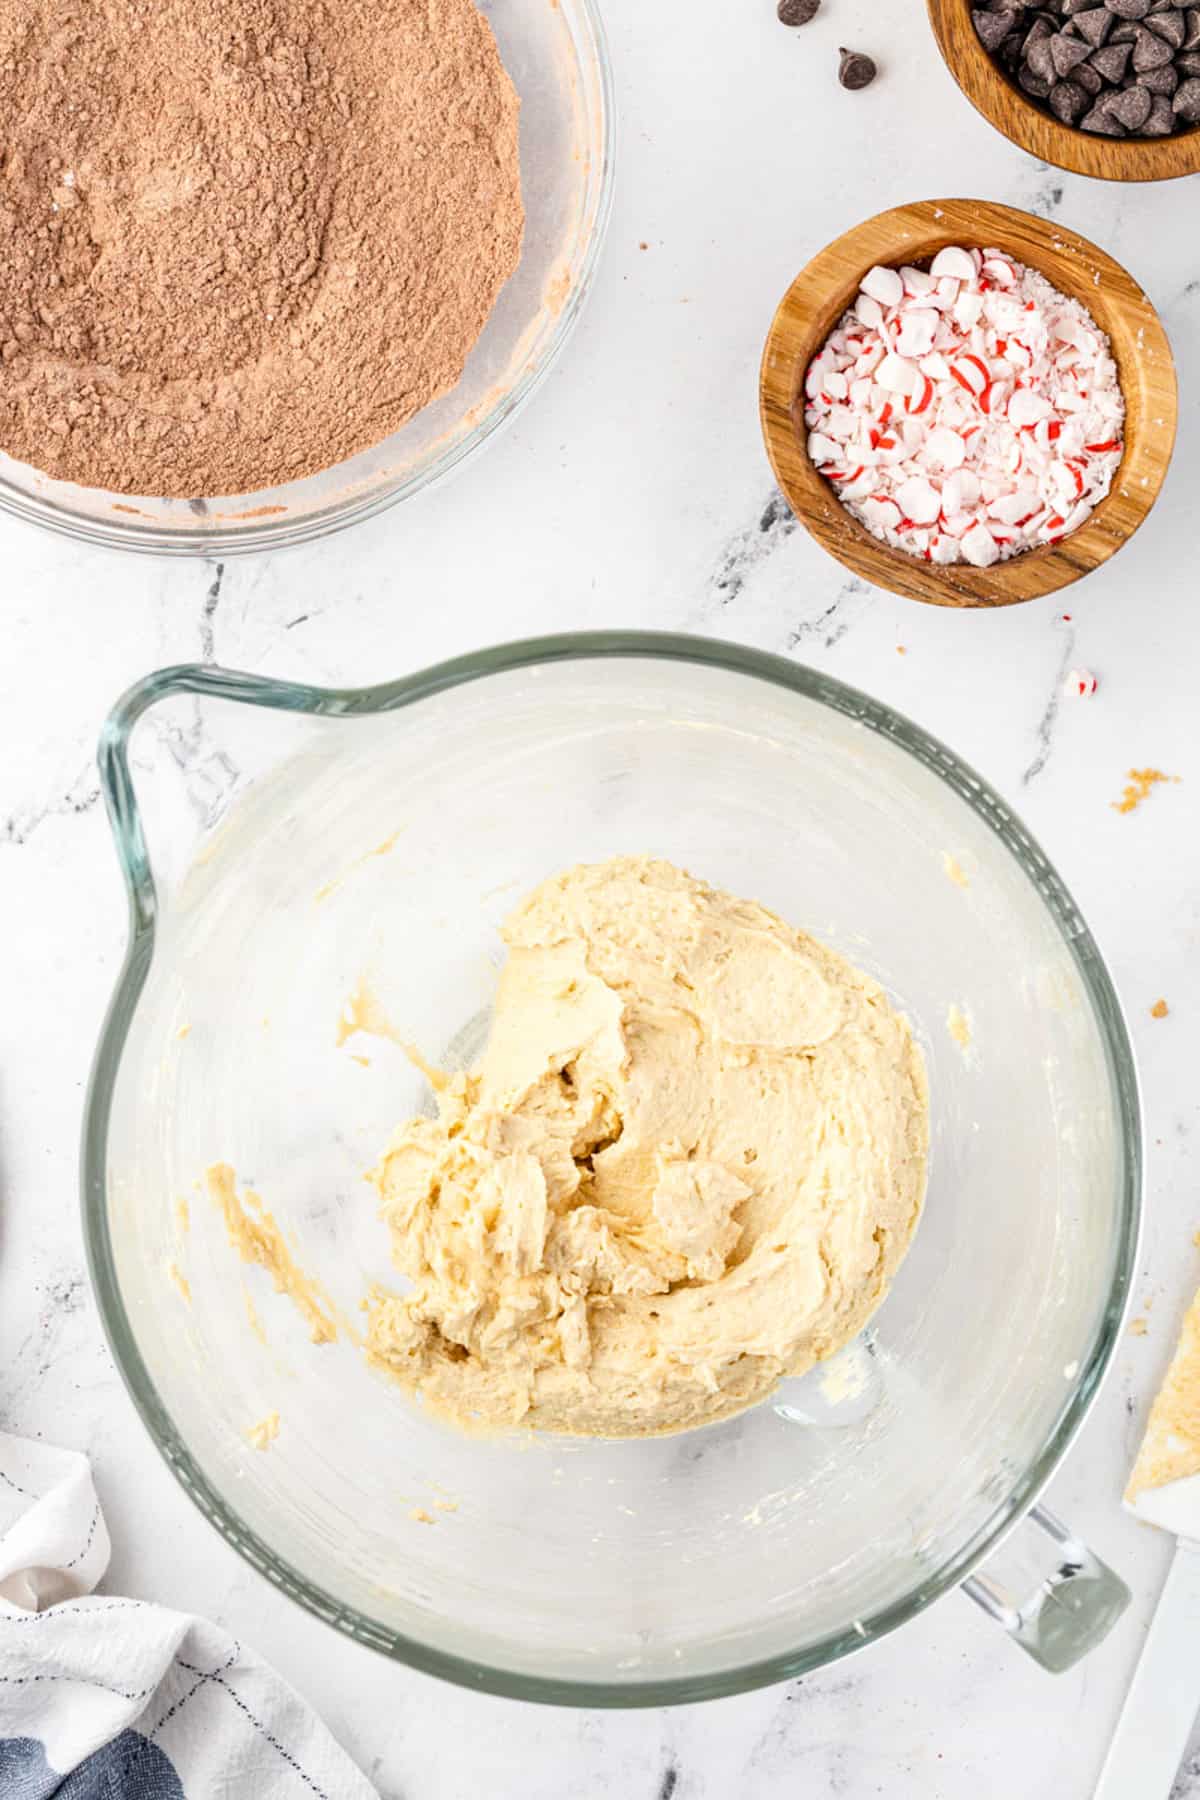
(251, 535)
(811, 684)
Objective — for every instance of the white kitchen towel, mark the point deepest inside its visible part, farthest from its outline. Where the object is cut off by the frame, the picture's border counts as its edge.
(103, 1698)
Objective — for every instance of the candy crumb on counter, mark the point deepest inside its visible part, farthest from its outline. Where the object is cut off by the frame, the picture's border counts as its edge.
(176, 1275)
(1159, 1010)
(1137, 787)
(421, 1517)
(1080, 683)
(1138, 1327)
(965, 412)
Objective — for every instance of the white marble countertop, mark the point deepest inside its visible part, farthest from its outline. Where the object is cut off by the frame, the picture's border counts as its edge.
(634, 491)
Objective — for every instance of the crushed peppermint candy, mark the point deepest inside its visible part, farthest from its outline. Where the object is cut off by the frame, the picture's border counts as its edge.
(965, 412)
(1080, 683)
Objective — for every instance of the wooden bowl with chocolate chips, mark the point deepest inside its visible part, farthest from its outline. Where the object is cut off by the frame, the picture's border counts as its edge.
(1107, 88)
(909, 245)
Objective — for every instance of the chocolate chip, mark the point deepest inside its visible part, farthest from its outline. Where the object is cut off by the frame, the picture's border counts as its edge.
(797, 12)
(1161, 122)
(1039, 57)
(1150, 52)
(855, 70)
(1066, 53)
(1100, 121)
(1169, 25)
(1068, 101)
(1132, 107)
(994, 27)
(1111, 62)
(1115, 67)
(1094, 26)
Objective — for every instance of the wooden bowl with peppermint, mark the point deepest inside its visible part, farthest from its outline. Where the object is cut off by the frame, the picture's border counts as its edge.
(966, 404)
(1108, 88)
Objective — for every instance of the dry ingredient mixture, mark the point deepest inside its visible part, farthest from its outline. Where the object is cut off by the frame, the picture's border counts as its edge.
(1116, 68)
(965, 412)
(241, 240)
(689, 1163)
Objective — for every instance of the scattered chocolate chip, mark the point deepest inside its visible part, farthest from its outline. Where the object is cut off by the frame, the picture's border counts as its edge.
(1186, 104)
(994, 27)
(797, 12)
(1094, 25)
(855, 70)
(1169, 25)
(1111, 62)
(1128, 9)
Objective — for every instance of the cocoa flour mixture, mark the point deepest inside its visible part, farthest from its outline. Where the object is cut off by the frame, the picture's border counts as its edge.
(242, 239)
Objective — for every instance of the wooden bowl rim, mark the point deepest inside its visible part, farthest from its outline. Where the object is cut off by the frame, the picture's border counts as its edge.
(1025, 124)
(826, 291)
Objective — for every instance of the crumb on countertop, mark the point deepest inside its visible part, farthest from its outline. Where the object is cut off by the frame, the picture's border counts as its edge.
(421, 1516)
(1138, 786)
(1159, 1010)
(1138, 1327)
(183, 1214)
(954, 870)
(177, 1275)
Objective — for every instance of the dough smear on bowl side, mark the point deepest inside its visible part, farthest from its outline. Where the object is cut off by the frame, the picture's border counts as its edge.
(689, 1163)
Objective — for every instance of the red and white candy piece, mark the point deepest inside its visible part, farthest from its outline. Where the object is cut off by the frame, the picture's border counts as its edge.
(1080, 683)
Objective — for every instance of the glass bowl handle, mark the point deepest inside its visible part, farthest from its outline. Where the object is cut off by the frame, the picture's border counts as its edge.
(1068, 1611)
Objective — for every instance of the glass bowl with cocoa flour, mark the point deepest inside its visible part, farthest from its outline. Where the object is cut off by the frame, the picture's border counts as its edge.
(556, 58)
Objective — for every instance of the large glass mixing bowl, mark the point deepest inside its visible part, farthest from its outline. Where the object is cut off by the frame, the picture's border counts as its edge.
(556, 54)
(305, 842)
